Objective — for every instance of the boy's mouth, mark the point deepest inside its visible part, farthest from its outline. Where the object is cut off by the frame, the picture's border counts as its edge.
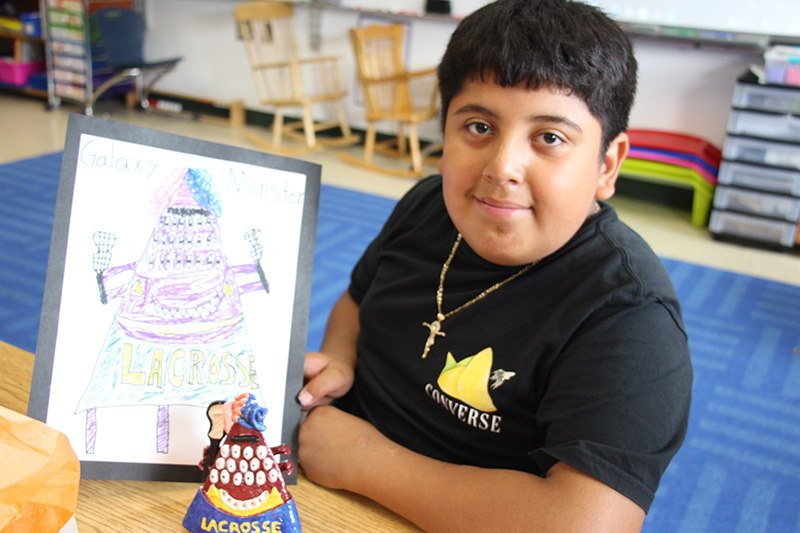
(500, 208)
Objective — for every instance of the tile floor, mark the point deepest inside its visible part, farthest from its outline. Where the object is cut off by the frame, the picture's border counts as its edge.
(28, 129)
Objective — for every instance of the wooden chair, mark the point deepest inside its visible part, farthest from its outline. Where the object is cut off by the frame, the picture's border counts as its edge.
(285, 80)
(386, 87)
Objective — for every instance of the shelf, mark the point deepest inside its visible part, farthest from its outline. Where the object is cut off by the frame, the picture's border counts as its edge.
(25, 49)
(24, 89)
(19, 36)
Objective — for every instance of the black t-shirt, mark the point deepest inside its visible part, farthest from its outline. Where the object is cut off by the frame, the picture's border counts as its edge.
(582, 359)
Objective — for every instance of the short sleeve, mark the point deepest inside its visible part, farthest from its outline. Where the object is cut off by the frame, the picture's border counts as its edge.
(403, 217)
(617, 400)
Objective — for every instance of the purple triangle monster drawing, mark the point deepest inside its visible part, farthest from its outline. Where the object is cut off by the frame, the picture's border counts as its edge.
(179, 336)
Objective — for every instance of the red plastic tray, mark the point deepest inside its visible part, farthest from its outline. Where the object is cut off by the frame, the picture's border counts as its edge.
(676, 142)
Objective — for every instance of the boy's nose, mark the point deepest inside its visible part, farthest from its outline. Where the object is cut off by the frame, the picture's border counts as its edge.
(507, 161)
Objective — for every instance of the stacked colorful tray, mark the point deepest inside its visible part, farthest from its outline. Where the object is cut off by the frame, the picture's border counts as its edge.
(675, 159)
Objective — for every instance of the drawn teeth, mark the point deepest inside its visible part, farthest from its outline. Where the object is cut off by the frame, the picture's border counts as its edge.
(200, 311)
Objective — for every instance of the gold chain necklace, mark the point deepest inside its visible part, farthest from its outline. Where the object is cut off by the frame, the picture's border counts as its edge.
(435, 327)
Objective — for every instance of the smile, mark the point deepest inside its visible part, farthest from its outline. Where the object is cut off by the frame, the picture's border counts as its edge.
(500, 208)
(198, 312)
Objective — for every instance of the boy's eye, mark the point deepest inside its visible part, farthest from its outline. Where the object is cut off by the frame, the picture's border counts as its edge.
(478, 128)
(551, 139)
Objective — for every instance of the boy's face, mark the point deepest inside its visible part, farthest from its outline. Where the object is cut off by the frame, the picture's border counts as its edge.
(522, 169)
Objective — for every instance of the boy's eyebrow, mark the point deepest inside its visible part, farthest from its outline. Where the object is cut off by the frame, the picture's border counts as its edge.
(475, 108)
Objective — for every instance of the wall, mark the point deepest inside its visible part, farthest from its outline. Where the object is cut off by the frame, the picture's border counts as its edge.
(682, 87)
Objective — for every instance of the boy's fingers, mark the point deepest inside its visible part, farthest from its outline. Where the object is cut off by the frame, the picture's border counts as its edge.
(315, 363)
(305, 398)
(310, 396)
(329, 383)
(317, 388)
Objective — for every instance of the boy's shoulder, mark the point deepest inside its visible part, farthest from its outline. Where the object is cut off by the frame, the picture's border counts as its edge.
(607, 248)
(426, 186)
(423, 192)
(422, 205)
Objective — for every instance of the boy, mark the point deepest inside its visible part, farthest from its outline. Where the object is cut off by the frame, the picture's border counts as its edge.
(509, 356)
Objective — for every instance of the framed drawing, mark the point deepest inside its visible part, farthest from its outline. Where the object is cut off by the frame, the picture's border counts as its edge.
(179, 275)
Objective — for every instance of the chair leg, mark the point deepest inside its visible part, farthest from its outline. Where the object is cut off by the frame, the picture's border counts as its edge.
(402, 146)
(369, 143)
(277, 127)
(416, 154)
(88, 109)
(138, 87)
(143, 89)
(308, 127)
(342, 117)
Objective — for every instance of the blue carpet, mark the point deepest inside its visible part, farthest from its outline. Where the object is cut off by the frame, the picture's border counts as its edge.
(739, 470)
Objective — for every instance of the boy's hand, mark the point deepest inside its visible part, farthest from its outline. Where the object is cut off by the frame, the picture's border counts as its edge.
(326, 378)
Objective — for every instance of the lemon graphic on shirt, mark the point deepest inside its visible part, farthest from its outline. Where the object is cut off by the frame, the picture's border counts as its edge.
(468, 380)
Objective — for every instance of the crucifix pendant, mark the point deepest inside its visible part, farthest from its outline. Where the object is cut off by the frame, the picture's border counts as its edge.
(436, 329)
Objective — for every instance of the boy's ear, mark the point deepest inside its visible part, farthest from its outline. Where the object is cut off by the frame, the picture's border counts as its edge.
(609, 169)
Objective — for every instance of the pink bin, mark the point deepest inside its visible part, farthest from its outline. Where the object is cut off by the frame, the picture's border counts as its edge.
(18, 73)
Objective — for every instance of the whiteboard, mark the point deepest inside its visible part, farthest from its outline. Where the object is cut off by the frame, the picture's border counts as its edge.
(713, 19)
(734, 21)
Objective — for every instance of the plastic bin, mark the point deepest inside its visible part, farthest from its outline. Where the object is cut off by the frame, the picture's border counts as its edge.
(770, 179)
(782, 65)
(38, 81)
(762, 152)
(784, 127)
(15, 73)
(751, 228)
(757, 203)
(761, 98)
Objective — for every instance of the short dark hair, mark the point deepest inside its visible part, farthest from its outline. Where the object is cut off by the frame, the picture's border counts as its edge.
(563, 44)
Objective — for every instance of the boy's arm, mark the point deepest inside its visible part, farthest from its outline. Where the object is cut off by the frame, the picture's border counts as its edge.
(329, 373)
(341, 451)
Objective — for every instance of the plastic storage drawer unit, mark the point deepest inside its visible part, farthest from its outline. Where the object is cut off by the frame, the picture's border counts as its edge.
(758, 203)
(774, 232)
(761, 152)
(776, 180)
(758, 97)
(765, 125)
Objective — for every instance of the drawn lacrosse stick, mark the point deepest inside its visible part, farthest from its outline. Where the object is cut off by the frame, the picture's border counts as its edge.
(102, 258)
(256, 253)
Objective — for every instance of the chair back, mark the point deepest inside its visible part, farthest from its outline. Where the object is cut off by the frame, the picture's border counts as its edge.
(122, 34)
(267, 29)
(381, 70)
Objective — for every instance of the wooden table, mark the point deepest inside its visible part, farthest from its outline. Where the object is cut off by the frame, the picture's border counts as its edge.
(121, 506)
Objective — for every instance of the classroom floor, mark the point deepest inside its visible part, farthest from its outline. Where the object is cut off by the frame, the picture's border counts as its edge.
(28, 129)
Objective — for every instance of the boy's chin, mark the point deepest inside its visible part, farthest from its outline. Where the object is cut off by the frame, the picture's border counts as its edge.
(507, 249)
